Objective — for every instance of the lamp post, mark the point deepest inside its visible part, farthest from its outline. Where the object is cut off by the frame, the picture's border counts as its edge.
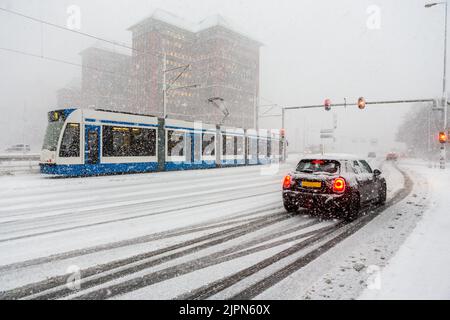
(444, 81)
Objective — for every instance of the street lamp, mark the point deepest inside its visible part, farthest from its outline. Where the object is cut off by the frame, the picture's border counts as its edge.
(444, 81)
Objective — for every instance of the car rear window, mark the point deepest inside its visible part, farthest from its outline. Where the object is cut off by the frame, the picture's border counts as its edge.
(318, 166)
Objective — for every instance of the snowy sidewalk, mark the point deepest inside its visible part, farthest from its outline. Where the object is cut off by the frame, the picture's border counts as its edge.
(420, 269)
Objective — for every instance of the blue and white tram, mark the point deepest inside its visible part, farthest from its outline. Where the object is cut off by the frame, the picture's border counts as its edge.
(80, 142)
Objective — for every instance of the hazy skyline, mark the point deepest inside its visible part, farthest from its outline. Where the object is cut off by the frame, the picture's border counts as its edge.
(312, 50)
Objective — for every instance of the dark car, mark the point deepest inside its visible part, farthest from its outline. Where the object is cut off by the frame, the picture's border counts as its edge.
(336, 185)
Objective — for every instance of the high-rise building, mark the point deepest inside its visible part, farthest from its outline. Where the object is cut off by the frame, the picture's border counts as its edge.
(223, 61)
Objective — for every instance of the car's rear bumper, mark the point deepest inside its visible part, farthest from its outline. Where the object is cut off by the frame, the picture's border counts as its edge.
(316, 201)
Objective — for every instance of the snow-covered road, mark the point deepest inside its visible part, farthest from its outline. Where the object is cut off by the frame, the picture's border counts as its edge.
(196, 234)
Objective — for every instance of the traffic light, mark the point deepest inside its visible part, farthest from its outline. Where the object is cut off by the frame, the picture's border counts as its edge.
(443, 137)
(283, 133)
(327, 104)
(361, 103)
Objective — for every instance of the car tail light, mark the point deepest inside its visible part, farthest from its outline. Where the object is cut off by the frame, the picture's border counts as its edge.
(287, 182)
(339, 185)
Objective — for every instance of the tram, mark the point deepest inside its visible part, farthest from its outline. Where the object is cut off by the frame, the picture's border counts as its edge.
(85, 142)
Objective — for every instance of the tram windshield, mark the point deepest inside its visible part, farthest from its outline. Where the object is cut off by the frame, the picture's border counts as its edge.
(53, 132)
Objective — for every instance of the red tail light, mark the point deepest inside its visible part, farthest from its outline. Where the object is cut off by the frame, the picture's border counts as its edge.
(287, 182)
(339, 185)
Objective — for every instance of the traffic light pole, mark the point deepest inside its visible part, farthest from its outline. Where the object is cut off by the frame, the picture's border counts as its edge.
(367, 103)
(284, 109)
(283, 123)
(444, 94)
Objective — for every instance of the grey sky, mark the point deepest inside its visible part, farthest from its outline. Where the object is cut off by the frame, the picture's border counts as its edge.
(312, 50)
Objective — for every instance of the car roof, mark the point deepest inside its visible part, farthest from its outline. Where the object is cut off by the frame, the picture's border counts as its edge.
(332, 156)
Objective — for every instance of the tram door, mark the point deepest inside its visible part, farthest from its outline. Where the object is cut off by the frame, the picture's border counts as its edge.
(92, 143)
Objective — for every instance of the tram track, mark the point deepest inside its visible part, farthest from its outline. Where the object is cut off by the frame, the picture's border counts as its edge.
(119, 199)
(96, 212)
(140, 180)
(144, 207)
(182, 231)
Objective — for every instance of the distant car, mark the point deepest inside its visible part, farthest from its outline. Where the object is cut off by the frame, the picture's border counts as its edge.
(372, 155)
(21, 148)
(392, 156)
(336, 185)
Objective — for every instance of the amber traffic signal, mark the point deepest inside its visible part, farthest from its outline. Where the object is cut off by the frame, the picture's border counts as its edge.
(361, 103)
(443, 137)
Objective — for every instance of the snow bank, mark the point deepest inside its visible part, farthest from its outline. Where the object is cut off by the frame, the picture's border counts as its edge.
(419, 270)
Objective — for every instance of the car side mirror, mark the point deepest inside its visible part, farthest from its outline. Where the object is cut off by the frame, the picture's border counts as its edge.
(377, 173)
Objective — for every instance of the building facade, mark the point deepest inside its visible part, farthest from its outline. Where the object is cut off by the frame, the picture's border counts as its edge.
(223, 63)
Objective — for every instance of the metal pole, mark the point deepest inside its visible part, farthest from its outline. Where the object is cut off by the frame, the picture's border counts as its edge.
(256, 111)
(429, 140)
(283, 123)
(164, 87)
(444, 92)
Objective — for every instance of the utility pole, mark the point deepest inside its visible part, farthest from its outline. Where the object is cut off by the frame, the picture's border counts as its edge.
(429, 139)
(443, 159)
(165, 87)
(256, 111)
(444, 93)
(285, 143)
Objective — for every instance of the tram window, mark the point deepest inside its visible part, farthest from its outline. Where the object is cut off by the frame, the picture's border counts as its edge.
(263, 147)
(228, 144)
(175, 143)
(70, 144)
(269, 148)
(52, 135)
(128, 142)
(252, 145)
(143, 142)
(208, 144)
(240, 145)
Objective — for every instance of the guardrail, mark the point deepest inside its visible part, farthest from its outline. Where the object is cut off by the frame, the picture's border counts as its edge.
(11, 164)
(19, 157)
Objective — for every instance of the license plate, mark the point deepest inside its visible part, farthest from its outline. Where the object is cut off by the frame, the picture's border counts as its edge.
(311, 184)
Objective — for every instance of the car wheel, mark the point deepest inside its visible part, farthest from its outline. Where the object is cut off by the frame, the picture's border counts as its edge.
(353, 207)
(289, 207)
(382, 194)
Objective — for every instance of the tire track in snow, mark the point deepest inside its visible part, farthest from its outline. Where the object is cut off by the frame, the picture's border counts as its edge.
(220, 285)
(192, 229)
(262, 285)
(203, 243)
(201, 263)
